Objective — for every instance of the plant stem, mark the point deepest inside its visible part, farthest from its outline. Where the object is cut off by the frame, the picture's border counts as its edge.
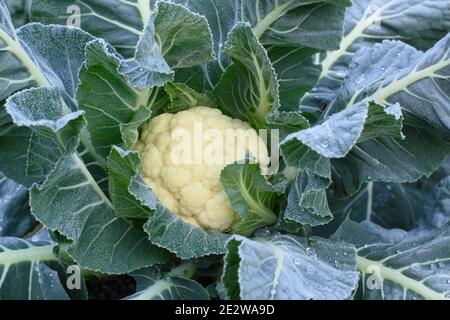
(185, 270)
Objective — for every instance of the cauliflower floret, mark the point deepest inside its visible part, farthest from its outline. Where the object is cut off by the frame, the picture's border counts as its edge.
(183, 155)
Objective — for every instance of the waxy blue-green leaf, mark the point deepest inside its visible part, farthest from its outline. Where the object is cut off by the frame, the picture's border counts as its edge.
(248, 89)
(28, 62)
(140, 189)
(281, 267)
(147, 68)
(102, 241)
(19, 11)
(16, 68)
(55, 130)
(250, 195)
(178, 34)
(312, 149)
(122, 168)
(151, 286)
(37, 64)
(391, 160)
(297, 73)
(287, 122)
(15, 217)
(395, 73)
(336, 136)
(390, 205)
(307, 200)
(186, 241)
(183, 37)
(282, 22)
(398, 266)
(276, 22)
(28, 271)
(114, 245)
(174, 38)
(221, 16)
(114, 109)
(62, 61)
(287, 28)
(397, 205)
(417, 22)
(14, 143)
(279, 22)
(121, 23)
(182, 98)
(67, 198)
(437, 208)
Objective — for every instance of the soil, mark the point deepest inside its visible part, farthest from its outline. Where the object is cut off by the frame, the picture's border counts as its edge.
(111, 288)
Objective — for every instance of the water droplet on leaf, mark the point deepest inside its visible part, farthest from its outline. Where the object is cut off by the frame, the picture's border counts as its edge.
(360, 79)
(324, 144)
(310, 269)
(415, 266)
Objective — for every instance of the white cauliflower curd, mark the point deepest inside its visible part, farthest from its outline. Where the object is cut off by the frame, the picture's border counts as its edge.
(183, 156)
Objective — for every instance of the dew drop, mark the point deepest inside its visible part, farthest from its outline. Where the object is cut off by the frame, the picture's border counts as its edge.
(360, 79)
(324, 144)
(273, 292)
(415, 266)
(310, 269)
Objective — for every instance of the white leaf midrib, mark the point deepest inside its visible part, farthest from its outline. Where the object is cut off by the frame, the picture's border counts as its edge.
(113, 22)
(265, 23)
(397, 277)
(14, 47)
(157, 289)
(414, 76)
(347, 41)
(31, 254)
(145, 10)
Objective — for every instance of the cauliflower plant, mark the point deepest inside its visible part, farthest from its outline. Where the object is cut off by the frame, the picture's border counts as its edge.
(183, 155)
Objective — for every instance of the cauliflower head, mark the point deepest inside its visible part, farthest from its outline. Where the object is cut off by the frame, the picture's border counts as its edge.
(183, 155)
